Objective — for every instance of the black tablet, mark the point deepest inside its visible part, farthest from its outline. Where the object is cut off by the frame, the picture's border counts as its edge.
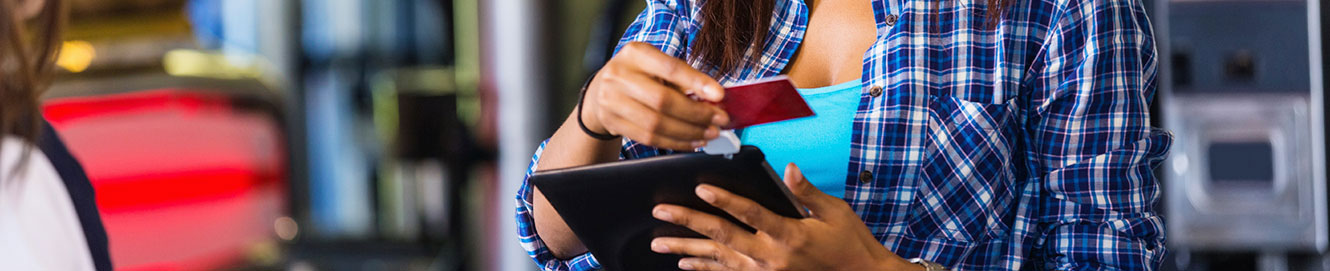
(608, 206)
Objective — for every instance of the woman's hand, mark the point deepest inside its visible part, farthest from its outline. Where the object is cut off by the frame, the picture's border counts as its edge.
(642, 94)
(834, 238)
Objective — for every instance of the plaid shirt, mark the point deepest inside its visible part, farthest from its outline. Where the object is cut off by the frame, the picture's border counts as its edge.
(1024, 146)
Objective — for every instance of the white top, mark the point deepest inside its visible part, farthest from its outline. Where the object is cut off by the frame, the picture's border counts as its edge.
(39, 229)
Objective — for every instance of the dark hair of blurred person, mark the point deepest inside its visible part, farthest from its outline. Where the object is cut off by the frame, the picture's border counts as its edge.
(27, 56)
(48, 214)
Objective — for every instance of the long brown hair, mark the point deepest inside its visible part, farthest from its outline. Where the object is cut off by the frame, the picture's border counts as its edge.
(27, 58)
(732, 29)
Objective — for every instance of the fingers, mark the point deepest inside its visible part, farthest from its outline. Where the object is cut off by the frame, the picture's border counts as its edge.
(674, 70)
(716, 228)
(651, 123)
(745, 210)
(702, 264)
(631, 130)
(660, 122)
(706, 254)
(654, 95)
(818, 202)
(637, 95)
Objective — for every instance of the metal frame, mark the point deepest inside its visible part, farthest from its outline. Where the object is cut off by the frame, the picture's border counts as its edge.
(1313, 147)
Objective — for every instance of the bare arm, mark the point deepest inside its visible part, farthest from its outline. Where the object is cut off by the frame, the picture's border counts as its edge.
(569, 147)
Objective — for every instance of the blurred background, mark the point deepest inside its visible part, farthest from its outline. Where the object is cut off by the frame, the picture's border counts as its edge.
(392, 134)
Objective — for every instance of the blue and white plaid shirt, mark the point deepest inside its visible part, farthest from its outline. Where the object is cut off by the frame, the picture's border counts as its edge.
(1024, 146)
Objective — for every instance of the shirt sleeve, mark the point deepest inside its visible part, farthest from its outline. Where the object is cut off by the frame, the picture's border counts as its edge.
(662, 24)
(1090, 141)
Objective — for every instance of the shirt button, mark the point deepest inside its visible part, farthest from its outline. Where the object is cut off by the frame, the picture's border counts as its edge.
(875, 91)
(865, 177)
(891, 19)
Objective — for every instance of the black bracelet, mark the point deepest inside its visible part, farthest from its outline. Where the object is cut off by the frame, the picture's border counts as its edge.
(580, 124)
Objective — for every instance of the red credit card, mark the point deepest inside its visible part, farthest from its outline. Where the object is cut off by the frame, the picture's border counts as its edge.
(763, 101)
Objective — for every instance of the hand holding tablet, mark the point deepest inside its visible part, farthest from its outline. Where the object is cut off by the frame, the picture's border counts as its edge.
(608, 206)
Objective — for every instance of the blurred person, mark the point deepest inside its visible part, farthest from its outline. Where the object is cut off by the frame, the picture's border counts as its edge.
(48, 216)
(968, 134)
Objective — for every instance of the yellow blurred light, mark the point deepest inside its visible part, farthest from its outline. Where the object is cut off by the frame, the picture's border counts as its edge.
(76, 55)
(186, 62)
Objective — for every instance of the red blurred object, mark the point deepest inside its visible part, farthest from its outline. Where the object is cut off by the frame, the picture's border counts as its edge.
(184, 181)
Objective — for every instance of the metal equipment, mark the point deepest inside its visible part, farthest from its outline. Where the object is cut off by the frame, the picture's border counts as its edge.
(1243, 95)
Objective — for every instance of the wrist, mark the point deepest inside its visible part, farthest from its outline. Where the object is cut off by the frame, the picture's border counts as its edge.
(589, 119)
(591, 125)
(900, 264)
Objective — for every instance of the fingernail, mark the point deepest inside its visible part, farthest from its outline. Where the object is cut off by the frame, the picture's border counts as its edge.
(662, 215)
(712, 132)
(715, 91)
(699, 143)
(685, 265)
(705, 194)
(658, 247)
(720, 119)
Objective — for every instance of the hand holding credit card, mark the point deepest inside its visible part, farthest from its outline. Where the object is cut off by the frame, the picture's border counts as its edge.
(763, 101)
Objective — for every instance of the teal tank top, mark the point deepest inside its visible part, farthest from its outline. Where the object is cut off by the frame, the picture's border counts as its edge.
(819, 144)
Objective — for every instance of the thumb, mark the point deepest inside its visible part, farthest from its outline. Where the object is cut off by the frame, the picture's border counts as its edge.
(811, 197)
(711, 91)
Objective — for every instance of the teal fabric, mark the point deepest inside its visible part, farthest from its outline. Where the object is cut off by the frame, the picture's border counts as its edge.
(819, 144)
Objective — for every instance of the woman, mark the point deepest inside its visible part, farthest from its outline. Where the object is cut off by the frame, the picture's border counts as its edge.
(977, 135)
(48, 217)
